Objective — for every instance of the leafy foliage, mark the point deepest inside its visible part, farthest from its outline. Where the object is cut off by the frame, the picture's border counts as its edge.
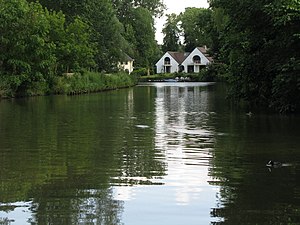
(196, 24)
(171, 33)
(137, 18)
(259, 41)
(40, 41)
(36, 44)
(146, 46)
(88, 82)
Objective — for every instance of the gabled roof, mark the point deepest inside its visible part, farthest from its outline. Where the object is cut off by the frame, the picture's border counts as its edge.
(126, 58)
(203, 50)
(179, 56)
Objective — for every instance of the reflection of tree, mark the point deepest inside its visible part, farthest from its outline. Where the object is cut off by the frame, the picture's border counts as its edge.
(249, 193)
(63, 153)
(76, 206)
(138, 158)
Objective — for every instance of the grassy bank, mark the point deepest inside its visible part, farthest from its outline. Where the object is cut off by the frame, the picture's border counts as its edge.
(77, 83)
(92, 82)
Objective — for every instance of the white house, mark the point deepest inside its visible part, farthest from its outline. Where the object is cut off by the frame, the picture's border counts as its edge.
(127, 64)
(172, 62)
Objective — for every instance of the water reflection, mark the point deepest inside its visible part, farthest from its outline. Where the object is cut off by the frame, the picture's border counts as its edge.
(184, 136)
(154, 154)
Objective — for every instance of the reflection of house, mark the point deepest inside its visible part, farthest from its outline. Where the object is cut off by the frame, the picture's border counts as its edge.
(172, 62)
(127, 64)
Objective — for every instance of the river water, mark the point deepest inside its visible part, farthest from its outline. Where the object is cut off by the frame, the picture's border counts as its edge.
(155, 154)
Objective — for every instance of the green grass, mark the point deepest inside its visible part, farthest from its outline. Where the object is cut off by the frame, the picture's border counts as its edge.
(77, 83)
(89, 82)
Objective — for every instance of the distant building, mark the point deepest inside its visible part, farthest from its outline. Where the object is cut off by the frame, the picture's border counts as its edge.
(126, 64)
(188, 62)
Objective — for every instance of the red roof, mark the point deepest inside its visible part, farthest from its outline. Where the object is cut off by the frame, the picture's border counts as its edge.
(179, 56)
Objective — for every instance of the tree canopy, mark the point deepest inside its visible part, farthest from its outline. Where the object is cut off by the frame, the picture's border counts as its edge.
(193, 26)
(196, 23)
(171, 33)
(260, 44)
(42, 40)
(35, 44)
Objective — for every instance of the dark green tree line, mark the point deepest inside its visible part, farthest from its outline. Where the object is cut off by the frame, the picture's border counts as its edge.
(257, 45)
(115, 28)
(105, 28)
(39, 41)
(259, 42)
(35, 44)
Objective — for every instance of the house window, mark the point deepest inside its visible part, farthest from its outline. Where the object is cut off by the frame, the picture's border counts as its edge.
(167, 61)
(181, 68)
(167, 69)
(190, 69)
(197, 59)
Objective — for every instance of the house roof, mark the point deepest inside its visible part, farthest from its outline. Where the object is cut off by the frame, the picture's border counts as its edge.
(179, 56)
(203, 50)
(126, 58)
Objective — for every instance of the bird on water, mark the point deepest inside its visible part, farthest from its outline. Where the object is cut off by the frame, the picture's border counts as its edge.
(274, 164)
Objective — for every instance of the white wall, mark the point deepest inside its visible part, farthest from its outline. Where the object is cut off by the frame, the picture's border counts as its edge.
(126, 66)
(160, 64)
(189, 61)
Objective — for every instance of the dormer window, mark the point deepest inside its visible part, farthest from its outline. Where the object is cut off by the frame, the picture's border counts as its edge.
(197, 59)
(167, 61)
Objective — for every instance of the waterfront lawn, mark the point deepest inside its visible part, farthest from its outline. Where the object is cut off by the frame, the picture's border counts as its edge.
(71, 83)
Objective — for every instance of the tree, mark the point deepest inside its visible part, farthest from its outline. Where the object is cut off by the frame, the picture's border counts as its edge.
(146, 46)
(171, 31)
(260, 45)
(26, 54)
(36, 45)
(286, 84)
(196, 24)
(124, 7)
(139, 28)
(105, 29)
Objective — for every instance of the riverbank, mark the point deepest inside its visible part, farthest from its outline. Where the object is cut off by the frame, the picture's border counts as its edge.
(93, 82)
(205, 75)
(69, 84)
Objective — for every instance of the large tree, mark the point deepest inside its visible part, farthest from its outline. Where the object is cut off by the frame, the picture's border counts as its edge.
(196, 24)
(146, 46)
(35, 44)
(171, 31)
(260, 45)
(137, 18)
(105, 28)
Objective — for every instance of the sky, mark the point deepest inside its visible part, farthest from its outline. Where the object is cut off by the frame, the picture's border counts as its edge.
(176, 6)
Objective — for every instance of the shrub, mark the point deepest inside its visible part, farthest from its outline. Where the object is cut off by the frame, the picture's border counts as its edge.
(140, 72)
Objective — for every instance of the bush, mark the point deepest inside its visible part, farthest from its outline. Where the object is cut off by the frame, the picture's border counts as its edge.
(92, 82)
(140, 72)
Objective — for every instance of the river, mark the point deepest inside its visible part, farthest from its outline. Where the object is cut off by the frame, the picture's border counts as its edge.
(154, 154)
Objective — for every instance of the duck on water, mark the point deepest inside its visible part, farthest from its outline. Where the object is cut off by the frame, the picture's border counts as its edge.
(274, 164)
